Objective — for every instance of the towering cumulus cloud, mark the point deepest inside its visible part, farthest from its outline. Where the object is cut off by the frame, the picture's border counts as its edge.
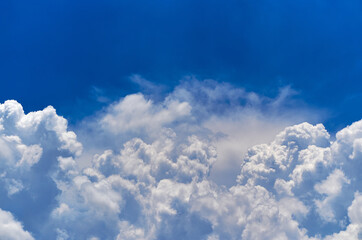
(183, 167)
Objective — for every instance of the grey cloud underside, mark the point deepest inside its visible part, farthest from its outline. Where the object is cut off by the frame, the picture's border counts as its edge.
(154, 180)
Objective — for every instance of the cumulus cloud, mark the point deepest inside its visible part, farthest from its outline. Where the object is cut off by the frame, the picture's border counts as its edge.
(147, 170)
(235, 119)
(29, 147)
(10, 229)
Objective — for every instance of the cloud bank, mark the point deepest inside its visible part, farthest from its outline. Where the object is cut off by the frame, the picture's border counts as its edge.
(207, 161)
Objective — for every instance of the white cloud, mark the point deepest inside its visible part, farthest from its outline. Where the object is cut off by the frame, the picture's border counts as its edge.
(26, 138)
(29, 146)
(134, 113)
(151, 169)
(331, 187)
(354, 229)
(161, 174)
(11, 229)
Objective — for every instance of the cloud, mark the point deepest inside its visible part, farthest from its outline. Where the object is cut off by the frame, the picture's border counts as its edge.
(10, 229)
(135, 113)
(30, 146)
(303, 163)
(146, 169)
(233, 118)
(354, 229)
(331, 187)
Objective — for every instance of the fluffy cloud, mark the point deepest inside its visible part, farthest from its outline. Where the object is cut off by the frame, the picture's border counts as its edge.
(29, 147)
(10, 229)
(135, 113)
(233, 118)
(146, 170)
(331, 188)
(303, 163)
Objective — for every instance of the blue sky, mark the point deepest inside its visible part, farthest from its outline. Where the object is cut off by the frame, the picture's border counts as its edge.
(49, 48)
(180, 119)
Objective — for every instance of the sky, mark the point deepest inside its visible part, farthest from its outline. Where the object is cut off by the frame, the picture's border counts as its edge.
(73, 46)
(180, 119)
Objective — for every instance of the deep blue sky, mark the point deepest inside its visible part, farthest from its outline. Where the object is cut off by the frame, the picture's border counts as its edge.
(53, 51)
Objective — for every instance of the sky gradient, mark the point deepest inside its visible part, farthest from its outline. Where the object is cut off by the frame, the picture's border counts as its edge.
(49, 48)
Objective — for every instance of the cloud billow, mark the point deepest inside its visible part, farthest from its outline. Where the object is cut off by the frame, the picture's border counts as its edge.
(152, 169)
